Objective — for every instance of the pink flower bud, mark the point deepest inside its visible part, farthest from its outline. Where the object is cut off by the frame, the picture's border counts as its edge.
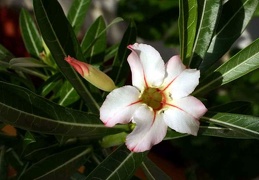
(92, 74)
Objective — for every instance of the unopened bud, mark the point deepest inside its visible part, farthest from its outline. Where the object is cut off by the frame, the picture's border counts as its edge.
(93, 75)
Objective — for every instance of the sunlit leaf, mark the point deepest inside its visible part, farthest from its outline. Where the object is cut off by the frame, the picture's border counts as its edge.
(248, 125)
(121, 164)
(40, 115)
(30, 34)
(61, 41)
(239, 65)
(187, 28)
(120, 68)
(77, 13)
(208, 12)
(234, 18)
(152, 171)
(58, 166)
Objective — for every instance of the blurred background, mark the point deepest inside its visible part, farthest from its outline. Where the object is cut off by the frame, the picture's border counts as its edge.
(185, 158)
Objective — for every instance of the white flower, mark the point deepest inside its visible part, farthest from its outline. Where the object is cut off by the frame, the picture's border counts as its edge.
(158, 98)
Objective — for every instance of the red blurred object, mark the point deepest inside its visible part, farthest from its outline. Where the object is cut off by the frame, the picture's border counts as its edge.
(10, 35)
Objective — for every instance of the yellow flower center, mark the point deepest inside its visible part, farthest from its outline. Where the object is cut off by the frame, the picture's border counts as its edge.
(152, 97)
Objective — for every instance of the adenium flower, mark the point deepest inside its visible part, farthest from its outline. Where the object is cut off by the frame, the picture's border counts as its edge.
(160, 97)
(96, 77)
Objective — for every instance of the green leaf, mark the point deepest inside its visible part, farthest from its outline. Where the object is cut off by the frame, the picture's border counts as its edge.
(239, 65)
(153, 172)
(58, 166)
(120, 67)
(208, 13)
(187, 28)
(26, 62)
(28, 139)
(234, 18)
(67, 94)
(171, 134)
(77, 12)
(94, 42)
(248, 125)
(61, 41)
(24, 109)
(52, 84)
(5, 57)
(30, 34)
(223, 132)
(121, 164)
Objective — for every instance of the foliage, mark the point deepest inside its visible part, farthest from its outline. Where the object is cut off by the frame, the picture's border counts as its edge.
(55, 118)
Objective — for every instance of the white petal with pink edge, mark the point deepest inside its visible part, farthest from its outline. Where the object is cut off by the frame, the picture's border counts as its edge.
(191, 105)
(120, 105)
(150, 130)
(174, 67)
(184, 84)
(181, 121)
(152, 65)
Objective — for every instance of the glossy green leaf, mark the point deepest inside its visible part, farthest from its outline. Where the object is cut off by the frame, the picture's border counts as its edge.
(94, 42)
(77, 13)
(171, 134)
(30, 34)
(248, 125)
(152, 171)
(26, 62)
(234, 18)
(208, 13)
(58, 166)
(67, 94)
(61, 41)
(121, 164)
(187, 28)
(120, 67)
(40, 115)
(239, 65)
(28, 139)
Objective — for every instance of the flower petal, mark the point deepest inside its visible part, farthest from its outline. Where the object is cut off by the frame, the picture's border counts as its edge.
(181, 121)
(184, 84)
(174, 67)
(146, 65)
(191, 105)
(120, 105)
(150, 130)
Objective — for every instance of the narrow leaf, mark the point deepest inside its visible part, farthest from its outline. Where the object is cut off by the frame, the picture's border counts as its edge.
(67, 94)
(120, 68)
(94, 42)
(246, 124)
(61, 41)
(30, 34)
(223, 132)
(152, 171)
(58, 166)
(40, 115)
(121, 164)
(239, 107)
(5, 57)
(187, 28)
(208, 13)
(26, 62)
(234, 18)
(77, 12)
(239, 65)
